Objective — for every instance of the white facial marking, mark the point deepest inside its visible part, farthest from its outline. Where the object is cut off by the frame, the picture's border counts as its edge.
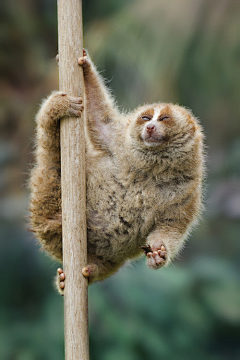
(155, 117)
(156, 114)
(149, 141)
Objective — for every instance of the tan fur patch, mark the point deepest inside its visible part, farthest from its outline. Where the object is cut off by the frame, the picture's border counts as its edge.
(148, 112)
(166, 111)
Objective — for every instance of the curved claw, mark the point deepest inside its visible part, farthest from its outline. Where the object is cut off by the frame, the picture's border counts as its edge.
(146, 249)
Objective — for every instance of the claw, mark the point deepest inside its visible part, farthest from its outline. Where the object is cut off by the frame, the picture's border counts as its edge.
(146, 249)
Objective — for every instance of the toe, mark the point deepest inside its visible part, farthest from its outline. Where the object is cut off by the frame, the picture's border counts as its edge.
(85, 271)
(158, 260)
(75, 100)
(59, 282)
(163, 254)
(77, 107)
(75, 110)
(81, 60)
(62, 276)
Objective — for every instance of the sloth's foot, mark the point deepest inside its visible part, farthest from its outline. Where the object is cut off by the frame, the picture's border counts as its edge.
(90, 271)
(156, 255)
(60, 281)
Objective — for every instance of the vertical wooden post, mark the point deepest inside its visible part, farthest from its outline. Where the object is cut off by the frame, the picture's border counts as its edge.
(73, 184)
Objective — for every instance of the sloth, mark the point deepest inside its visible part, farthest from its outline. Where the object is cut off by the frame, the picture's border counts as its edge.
(144, 174)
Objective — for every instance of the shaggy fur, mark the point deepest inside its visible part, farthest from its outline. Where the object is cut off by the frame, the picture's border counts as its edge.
(144, 177)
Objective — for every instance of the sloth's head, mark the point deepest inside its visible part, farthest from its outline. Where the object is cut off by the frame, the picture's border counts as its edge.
(162, 127)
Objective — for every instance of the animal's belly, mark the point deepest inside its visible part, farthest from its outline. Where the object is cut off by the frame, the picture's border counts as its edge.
(113, 234)
(120, 215)
(118, 232)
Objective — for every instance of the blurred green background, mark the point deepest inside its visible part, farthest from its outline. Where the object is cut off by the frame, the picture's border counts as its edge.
(181, 51)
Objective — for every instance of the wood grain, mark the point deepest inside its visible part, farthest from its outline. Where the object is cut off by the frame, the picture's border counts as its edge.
(73, 184)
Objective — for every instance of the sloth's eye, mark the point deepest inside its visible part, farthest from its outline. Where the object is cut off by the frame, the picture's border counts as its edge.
(146, 118)
(164, 118)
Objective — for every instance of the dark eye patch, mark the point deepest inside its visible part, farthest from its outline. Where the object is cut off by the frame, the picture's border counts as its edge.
(164, 117)
(146, 117)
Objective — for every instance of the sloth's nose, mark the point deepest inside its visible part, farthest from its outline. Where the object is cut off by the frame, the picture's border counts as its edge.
(150, 128)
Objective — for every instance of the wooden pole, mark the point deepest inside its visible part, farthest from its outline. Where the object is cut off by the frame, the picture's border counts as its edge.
(73, 184)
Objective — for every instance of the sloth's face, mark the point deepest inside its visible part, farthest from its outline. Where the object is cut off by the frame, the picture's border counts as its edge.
(162, 126)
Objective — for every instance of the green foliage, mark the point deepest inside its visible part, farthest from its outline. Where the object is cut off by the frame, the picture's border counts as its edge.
(32, 326)
(95, 10)
(161, 314)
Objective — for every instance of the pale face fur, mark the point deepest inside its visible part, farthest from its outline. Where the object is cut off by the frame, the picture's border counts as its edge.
(159, 127)
(144, 178)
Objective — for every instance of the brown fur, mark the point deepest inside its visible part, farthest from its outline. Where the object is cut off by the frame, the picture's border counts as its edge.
(139, 190)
